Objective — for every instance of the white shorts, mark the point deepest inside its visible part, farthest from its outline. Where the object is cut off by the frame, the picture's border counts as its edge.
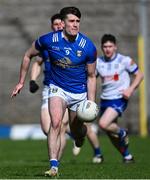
(45, 96)
(72, 99)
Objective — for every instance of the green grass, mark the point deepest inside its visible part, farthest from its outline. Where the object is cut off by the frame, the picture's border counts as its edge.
(28, 160)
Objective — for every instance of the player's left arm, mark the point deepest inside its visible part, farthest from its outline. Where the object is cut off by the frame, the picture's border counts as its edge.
(137, 79)
(91, 83)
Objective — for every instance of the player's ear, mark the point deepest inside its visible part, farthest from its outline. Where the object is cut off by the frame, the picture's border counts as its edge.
(63, 24)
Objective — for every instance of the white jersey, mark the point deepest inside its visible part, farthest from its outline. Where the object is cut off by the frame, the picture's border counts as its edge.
(115, 75)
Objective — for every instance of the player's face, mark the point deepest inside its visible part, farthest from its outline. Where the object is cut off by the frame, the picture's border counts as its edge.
(71, 25)
(57, 25)
(109, 49)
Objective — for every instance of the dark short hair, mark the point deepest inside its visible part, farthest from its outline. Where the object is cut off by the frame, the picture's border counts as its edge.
(108, 37)
(70, 10)
(54, 17)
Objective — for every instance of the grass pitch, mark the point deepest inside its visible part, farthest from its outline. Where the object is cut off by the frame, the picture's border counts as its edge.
(28, 160)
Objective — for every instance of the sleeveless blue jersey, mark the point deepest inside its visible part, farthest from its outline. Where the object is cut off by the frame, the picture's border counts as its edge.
(68, 60)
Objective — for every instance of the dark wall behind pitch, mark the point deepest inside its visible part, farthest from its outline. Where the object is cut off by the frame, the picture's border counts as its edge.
(22, 21)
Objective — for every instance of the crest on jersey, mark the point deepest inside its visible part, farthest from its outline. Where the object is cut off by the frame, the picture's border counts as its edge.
(55, 48)
(79, 53)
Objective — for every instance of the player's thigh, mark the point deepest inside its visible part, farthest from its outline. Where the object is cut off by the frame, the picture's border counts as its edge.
(75, 100)
(109, 116)
(57, 102)
(57, 107)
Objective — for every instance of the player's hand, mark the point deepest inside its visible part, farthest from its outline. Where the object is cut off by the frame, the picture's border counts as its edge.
(126, 93)
(33, 86)
(16, 90)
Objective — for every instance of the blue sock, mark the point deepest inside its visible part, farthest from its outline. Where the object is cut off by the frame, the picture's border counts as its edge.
(121, 132)
(123, 148)
(124, 151)
(97, 151)
(54, 163)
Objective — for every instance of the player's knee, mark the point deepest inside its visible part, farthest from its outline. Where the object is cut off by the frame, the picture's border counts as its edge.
(56, 125)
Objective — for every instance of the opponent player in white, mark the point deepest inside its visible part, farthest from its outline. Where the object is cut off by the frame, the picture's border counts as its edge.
(114, 70)
(72, 78)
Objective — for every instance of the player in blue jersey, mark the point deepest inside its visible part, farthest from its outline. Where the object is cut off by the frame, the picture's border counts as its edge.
(114, 70)
(45, 118)
(72, 78)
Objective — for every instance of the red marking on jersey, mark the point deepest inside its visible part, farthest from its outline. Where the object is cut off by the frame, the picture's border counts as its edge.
(116, 77)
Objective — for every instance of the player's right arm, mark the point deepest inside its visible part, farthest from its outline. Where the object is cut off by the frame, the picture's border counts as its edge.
(35, 72)
(31, 52)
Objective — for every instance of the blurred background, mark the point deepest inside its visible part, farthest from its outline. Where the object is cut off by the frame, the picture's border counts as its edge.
(22, 21)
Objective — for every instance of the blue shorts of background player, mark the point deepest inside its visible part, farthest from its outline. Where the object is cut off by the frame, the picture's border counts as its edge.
(119, 105)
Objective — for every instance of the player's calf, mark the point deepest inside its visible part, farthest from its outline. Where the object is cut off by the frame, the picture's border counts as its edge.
(79, 138)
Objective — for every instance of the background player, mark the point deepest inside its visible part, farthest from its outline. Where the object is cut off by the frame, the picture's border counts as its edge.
(114, 70)
(33, 86)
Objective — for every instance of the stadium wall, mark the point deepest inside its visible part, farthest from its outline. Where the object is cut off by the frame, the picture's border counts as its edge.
(22, 21)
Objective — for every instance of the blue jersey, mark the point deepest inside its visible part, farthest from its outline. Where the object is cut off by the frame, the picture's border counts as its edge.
(68, 60)
(47, 67)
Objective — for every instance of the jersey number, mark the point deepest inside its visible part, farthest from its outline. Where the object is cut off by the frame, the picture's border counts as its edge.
(67, 52)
